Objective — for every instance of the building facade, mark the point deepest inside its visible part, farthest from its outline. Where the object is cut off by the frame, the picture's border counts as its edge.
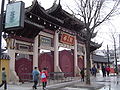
(47, 30)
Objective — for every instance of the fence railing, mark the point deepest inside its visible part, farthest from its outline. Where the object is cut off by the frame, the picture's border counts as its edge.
(25, 77)
(53, 77)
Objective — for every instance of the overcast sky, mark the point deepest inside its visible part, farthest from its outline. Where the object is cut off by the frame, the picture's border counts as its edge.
(104, 31)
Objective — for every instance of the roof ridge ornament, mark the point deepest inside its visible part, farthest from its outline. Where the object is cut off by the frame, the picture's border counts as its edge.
(56, 1)
(33, 2)
(59, 2)
(39, 3)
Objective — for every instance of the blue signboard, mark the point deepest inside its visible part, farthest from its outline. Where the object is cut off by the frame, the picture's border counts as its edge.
(45, 41)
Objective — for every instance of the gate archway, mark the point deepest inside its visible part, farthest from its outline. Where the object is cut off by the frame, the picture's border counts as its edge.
(66, 60)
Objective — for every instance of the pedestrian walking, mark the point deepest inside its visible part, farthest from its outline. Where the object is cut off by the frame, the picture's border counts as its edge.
(108, 70)
(104, 71)
(82, 74)
(4, 76)
(44, 76)
(35, 74)
(94, 70)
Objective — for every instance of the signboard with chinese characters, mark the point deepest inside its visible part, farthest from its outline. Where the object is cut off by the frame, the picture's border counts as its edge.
(67, 39)
(45, 41)
(15, 15)
(80, 49)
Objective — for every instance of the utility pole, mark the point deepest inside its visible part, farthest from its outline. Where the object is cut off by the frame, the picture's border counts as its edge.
(116, 68)
(108, 55)
(119, 46)
(1, 24)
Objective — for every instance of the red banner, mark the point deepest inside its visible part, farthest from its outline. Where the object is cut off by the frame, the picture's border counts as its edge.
(67, 39)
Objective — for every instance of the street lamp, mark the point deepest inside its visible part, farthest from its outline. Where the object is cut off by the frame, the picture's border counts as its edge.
(1, 23)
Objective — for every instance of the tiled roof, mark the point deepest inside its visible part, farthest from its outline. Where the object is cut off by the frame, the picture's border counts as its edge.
(99, 58)
(5, 56)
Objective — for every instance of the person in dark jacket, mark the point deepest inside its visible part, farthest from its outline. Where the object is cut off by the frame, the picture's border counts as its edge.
(35, 74)
(82, 74)
(94, 71)
(4, 76)
(104, 71)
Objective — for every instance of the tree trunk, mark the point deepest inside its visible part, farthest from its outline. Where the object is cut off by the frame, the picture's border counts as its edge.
(88, 62)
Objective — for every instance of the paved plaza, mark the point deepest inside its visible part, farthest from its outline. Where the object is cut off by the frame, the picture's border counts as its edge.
(108, 83)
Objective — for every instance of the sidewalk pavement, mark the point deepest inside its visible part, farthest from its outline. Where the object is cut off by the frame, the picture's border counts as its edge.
(75, 83)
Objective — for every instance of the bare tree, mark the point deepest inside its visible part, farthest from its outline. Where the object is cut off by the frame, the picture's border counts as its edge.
(114, 36)
(93, 13)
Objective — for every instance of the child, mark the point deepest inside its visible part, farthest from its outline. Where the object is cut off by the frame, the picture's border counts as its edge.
(44, 75)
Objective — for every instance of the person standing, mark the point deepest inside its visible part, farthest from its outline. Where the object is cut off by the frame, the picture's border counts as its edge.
(82, 74)
(4, 76)
(35, 74)
(44, 76)
(104, 71)
(94, 70)
(108, 70)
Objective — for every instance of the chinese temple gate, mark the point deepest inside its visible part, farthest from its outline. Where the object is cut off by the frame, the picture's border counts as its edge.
(48, 30)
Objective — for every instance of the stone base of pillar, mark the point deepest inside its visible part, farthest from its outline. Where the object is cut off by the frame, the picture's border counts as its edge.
(57, 69)
(77, 71)
(14, 79)
(58, 73)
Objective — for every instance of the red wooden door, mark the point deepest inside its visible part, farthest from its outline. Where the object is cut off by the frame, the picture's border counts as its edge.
(80, 62)
(23, 68)
(66, 60)
(46, 60)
